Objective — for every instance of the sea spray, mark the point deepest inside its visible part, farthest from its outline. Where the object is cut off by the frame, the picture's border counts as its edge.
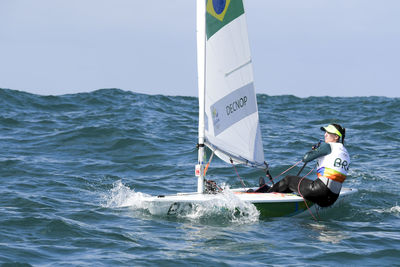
(122, 196)
(395, 210)
(225, 207)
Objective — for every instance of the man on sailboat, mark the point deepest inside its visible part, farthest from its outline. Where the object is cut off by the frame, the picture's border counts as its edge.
(332, 168)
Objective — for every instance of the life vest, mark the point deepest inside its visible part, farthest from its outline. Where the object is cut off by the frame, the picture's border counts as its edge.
(335, 165)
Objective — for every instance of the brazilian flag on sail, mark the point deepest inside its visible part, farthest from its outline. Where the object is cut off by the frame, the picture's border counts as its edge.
(220, 13)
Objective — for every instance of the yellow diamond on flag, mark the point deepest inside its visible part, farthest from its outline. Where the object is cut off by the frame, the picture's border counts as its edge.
(217, 8)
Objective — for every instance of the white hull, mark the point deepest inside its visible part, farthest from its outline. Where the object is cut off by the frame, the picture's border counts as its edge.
(268, 204)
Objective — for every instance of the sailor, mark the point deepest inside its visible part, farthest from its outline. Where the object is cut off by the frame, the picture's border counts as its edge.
(332, 167)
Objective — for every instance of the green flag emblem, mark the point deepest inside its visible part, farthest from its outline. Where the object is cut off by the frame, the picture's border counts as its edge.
(220, 13)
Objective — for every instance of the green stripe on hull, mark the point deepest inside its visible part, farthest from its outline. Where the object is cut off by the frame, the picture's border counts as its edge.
(282, 209)
(220, 13)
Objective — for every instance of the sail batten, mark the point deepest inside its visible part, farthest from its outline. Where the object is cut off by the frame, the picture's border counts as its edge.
(231, 113)
(238, 68)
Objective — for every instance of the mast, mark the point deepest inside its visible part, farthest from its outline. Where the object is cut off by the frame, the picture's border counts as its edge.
(201, 53)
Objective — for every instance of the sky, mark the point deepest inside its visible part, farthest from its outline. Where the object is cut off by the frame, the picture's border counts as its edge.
(303, 48)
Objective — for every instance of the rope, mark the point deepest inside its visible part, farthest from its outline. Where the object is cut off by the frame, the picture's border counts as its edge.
(208, 163)
(205, 172)
(297, 163)
(308, 172)
(305, 202)
(244, 186)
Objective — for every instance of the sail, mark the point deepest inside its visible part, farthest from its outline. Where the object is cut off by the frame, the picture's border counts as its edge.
(231, 120)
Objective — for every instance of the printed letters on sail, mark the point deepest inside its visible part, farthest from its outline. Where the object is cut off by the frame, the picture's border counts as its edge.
(233, 108)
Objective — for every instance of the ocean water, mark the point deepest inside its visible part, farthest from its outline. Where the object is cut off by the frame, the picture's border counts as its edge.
(75, 169)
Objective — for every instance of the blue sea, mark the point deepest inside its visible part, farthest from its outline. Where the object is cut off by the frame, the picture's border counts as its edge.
(74, 170)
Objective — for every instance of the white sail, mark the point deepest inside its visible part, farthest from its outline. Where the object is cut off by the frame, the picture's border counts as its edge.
(231, 115)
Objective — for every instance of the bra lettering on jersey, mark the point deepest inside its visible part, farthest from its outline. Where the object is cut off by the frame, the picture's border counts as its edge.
(343, 164)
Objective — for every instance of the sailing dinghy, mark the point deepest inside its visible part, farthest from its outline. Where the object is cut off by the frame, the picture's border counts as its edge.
(228, 113)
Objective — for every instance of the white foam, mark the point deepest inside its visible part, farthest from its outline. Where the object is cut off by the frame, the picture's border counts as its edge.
(122, 196)
(395, 209)
(224, 207)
